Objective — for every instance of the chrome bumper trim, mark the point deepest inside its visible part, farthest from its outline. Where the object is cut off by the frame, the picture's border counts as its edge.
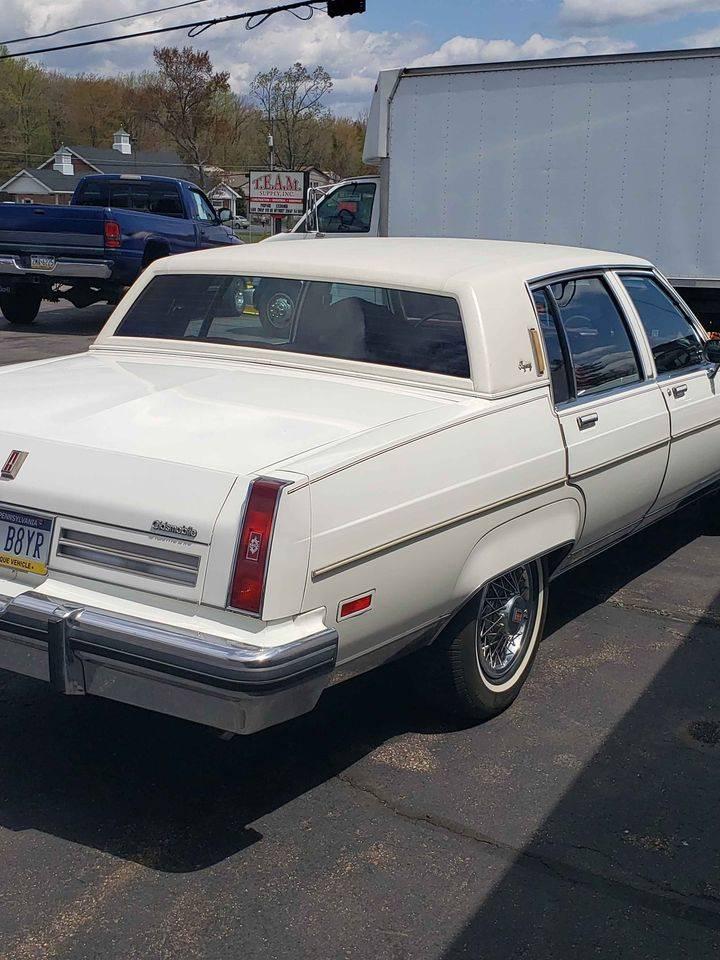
(94, 269)
(234, 686)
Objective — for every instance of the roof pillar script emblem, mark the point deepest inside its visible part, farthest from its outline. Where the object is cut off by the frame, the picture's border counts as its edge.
(12, 465)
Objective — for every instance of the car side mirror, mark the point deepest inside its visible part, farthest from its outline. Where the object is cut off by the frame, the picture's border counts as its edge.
(712, 355)
(225, 215)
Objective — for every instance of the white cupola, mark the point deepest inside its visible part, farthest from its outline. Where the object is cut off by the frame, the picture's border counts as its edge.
(121, 141)
(62, 161)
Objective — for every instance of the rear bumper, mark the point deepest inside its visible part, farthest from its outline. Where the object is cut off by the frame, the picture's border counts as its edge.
(63, 269)
(236, 687)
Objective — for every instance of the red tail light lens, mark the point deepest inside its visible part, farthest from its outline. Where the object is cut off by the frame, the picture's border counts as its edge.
(248, 584)
(113, 235)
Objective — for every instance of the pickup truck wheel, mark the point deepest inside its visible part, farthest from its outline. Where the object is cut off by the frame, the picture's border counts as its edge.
(276, 305)
(20, 306)
(487, 652)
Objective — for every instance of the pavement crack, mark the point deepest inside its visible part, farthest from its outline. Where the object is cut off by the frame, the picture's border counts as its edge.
(640, 891)
(688, 615)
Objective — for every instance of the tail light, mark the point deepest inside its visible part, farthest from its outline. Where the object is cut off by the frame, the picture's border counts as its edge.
(113, 235)
(247, 589)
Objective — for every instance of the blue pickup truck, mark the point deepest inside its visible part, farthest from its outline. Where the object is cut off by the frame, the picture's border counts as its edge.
(90, 251)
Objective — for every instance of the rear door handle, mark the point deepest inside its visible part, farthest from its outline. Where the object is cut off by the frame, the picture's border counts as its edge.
(587, 421)
(679, 391)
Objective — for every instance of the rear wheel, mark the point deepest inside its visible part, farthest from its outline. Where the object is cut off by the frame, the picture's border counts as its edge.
(483, 658)
(21, 305)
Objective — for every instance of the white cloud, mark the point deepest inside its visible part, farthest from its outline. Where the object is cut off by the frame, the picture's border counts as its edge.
(704, 38)
(602, 12)
(474, 49)
(352, 55)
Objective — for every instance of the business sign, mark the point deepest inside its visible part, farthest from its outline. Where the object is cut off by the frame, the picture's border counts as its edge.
(277, 192)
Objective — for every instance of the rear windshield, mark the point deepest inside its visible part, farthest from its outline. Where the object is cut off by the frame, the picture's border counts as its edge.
(396, 328)
(146, 196)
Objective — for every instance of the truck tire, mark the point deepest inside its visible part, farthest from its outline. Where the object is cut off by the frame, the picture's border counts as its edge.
(479, 663)
(21, 305)
(276, 304)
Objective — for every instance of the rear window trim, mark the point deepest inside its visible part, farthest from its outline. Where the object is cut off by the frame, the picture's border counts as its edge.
(344, 366)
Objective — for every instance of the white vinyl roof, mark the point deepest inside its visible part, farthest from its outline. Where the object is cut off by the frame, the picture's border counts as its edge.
(418, 263)
(488, 278)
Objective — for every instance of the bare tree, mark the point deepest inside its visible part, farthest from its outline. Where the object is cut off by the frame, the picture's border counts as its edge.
(182, 99)
(292, 104)
(24, 99)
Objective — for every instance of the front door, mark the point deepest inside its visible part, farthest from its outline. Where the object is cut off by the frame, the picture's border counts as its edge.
(349, 210)
(690, 391)
(614, 421)
(211, 233)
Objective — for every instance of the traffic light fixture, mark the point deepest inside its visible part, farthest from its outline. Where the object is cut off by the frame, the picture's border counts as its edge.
(345, 8)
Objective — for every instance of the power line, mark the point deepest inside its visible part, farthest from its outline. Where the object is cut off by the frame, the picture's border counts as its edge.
(195, 28)
(101, 23)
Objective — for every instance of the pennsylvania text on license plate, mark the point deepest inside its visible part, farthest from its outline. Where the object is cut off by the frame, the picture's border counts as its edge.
(25, 541)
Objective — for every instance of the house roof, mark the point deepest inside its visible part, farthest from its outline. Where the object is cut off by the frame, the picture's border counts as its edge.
(160, 163)
(55, 181)
(163, 163)
(223, 185)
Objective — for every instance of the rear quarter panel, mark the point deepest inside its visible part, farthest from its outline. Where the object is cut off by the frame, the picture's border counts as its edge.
(404, 523)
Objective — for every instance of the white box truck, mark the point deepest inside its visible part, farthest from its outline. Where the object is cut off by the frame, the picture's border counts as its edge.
(617, 152)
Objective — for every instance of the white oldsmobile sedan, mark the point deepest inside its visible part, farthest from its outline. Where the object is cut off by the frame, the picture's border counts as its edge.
(282, 465)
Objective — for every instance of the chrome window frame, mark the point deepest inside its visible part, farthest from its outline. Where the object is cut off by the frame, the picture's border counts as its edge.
(684, 309)
(606, 273)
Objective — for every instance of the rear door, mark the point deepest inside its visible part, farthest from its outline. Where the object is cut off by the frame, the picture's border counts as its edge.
(614, 421)
(690, 391)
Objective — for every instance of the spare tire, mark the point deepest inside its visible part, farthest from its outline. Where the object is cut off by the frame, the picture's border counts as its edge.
(21, 305)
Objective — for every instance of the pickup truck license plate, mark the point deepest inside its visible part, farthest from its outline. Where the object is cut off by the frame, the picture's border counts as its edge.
(42, 263)
(25, 541)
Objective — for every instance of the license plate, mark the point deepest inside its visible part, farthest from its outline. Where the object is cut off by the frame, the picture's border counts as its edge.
(42, 263)
(25, 541)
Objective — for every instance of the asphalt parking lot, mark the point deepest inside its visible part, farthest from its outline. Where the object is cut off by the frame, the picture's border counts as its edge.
(59, 329)
(581, 823)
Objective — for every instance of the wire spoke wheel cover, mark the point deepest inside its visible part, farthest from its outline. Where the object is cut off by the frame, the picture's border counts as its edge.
(506, 618)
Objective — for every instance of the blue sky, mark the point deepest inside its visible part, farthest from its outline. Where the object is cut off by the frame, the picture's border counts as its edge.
(663, 24)
(393, 33)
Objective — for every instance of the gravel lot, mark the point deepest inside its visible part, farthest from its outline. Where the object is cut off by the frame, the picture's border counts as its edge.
(582, 823)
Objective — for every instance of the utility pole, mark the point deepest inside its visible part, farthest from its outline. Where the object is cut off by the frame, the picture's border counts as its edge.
(276, 221)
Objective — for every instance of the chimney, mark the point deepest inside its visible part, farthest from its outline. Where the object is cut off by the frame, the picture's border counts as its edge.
(121, 142)
(62, 162)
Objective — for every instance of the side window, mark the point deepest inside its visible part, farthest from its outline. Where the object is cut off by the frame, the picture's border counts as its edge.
(559, 374)
(673, 339)
(202, 210)
(341, 291)
(348, 209)
(600, 347)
